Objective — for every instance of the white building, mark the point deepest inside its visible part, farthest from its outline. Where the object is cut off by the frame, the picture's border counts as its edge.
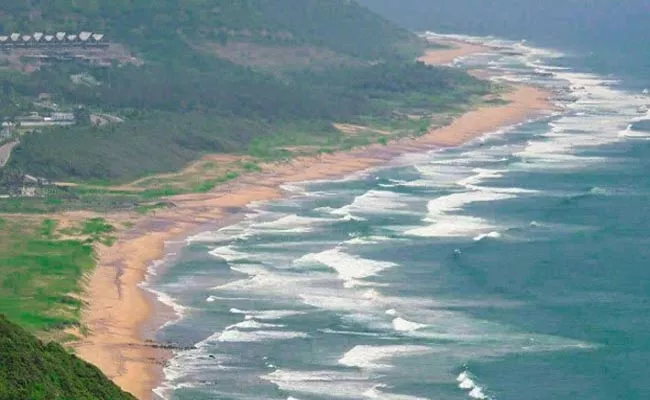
(84, 36)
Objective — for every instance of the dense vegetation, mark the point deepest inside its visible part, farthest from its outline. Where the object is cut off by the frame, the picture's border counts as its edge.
(186, 101)
(30, 369)
(173, 121)
(155, 26)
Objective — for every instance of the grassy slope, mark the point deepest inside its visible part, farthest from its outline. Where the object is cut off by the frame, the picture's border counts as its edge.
(42, 267)
(30, 369)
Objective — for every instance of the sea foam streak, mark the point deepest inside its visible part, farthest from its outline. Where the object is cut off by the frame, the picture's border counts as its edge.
(350, 268)
(402, 325)
(320, 383)
(467, 382)
(376, 393)
(234, 335)
(443, 211)
(491, 235)
(370, 357)
(373, 202)
(267, 314)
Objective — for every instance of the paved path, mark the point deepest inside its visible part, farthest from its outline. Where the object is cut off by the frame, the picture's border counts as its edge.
(5, 152)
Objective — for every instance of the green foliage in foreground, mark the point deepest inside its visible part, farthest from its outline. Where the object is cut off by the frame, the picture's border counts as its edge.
(30, 369)
(41, 272)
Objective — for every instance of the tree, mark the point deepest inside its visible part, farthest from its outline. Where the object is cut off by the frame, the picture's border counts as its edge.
(82, 115)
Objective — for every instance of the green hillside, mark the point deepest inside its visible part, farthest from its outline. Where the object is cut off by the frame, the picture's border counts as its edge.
(149, 25)
(30, 369)
(217, 76)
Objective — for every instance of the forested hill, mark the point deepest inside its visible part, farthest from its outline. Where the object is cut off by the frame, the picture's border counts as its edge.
(32, 370)
(150, 26)
(212, 76)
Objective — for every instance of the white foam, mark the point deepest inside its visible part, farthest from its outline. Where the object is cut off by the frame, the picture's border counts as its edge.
(376, 393)
(632, 134)
(267, 315)
(350, 268)
(237, 336)
(351, 301)
(250, 323)
(449, 225)
(482, 174)
(169, 301)
(264, 281)
(369, 357)
(228, 253)
(477, 393)
(291, 223)
(373, 202)
(367, 240)
(351, 333)
(321, 383)
(466, 382)
(212, 299)
(403, 325)
(248, 269)
(308, 376)
(371, 294)
(391, 312)
(456, 201)
(452, 226)
(491, 235)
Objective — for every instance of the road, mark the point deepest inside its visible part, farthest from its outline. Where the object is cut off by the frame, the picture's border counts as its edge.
(5, 152)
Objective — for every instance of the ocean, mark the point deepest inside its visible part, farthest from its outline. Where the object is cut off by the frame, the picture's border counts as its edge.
(516, 266)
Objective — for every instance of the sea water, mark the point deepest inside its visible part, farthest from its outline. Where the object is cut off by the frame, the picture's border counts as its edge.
(516, 266)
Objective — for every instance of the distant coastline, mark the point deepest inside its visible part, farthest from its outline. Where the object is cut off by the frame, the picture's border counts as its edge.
(121, 314)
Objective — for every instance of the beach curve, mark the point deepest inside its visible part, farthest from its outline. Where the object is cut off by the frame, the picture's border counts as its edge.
(119, 309)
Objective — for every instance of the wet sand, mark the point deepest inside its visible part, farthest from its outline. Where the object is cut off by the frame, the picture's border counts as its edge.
(119, 312)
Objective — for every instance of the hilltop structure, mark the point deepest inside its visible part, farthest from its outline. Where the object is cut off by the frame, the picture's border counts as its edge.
(56, 40)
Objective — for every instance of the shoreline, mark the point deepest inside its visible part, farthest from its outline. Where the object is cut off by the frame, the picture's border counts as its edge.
(122, 316)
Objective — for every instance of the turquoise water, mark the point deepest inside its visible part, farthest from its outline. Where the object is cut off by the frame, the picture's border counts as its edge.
(513, 267)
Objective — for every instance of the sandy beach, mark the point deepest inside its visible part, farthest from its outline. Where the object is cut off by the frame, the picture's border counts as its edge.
(452, 51)
(119, 309)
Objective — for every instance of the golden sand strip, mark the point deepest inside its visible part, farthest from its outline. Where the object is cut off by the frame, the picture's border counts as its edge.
(453, 51)
(118, 308)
